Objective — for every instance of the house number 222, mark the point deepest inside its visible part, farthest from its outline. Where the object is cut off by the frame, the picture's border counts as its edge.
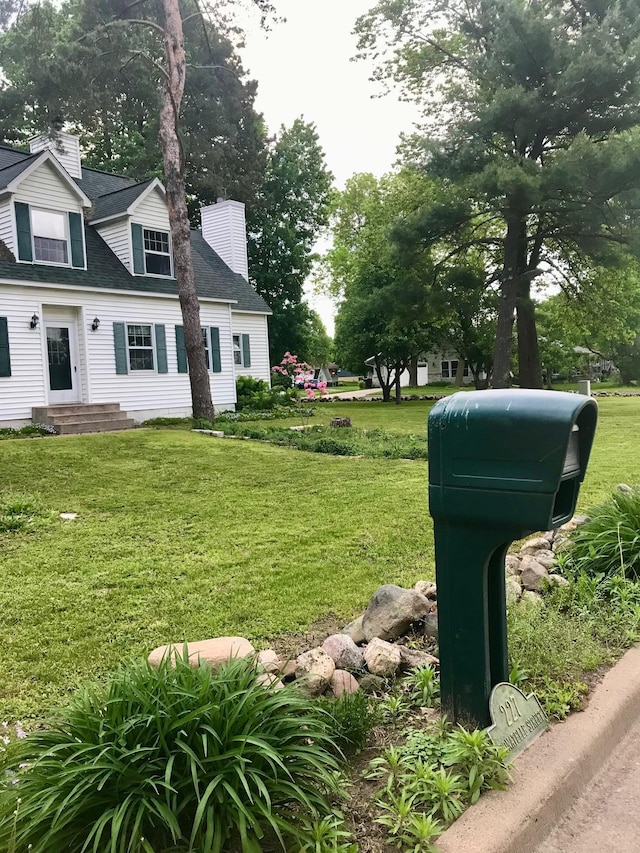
(510, 711)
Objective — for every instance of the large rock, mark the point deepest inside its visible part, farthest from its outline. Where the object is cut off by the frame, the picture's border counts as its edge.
(532, 545)
(427, 588)
(354, 630)
(512, 564)
(513, 590)
(430, 625)
(414, 658)
(533, 574)
(344, 652)
(392, 611)
(372, 684)
(269, 661)
(546, 558)
(214, 652)
(382, 658)
(314, 669)
(343, 682)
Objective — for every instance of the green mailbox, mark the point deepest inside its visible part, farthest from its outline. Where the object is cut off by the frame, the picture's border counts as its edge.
(502, 464)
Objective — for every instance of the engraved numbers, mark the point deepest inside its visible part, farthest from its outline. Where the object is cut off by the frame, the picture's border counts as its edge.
(509, 709)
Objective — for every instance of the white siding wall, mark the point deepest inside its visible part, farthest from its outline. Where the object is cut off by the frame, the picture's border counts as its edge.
(254, 325)
(6, 225)
(141, 393)
(152, 212)
(44, 188)
(117, 235)
(224, 229)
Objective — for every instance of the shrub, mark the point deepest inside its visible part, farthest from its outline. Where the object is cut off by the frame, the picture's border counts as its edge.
(181, 759)
(353, 716)
(28, 431)
(609, 542)
(256, 395)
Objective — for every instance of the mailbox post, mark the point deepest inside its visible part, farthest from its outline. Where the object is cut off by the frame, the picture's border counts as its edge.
(502, 464)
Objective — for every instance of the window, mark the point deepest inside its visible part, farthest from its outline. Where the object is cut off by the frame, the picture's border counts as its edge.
(450, 369)
(50, 241)
(237, 350)
(444, 369)
(157, 256)
(205, 341)
(140, 346)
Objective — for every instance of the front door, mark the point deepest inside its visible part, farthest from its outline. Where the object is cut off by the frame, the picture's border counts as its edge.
(61, 352)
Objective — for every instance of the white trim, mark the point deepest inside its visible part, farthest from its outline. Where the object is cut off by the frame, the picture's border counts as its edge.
(152, 336)
(155, 184)
(117, 292)
(48, 157)
(248, 311)
(162, 254)
(65, 219)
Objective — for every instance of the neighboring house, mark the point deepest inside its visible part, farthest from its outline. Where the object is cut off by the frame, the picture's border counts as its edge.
(432, 367)
(88, 297)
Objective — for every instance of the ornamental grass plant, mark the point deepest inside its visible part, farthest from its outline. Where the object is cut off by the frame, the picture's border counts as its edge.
(171, 760)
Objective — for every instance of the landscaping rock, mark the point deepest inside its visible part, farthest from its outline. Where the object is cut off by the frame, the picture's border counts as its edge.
(512, 564)
(382, 658)
(557, 580)
(513, 590)
(546, 558)
(533, 574)
(624, 488)
(270, 680)
(315, 668)
(343, 682)
(413, 658)
(392, 611)
(540, 543)
(371, 684)
(354, 630)
(531, 598)
(430, 625)
(344, 652)
(340, 422)
(428, 589)
(288, 671)
(269, 661)
(214, 652)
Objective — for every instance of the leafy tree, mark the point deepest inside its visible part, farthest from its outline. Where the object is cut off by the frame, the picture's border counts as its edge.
(383, 314)
(283, 226)
(531, 117)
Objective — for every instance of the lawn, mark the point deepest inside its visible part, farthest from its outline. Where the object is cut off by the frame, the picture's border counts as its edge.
(180, 536)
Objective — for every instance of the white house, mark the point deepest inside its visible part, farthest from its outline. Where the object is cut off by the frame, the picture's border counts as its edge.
(432, 367)
(89, 313)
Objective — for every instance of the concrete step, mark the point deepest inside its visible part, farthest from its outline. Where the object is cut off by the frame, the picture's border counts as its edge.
(86, 417)
(78, 426)
(40, 412)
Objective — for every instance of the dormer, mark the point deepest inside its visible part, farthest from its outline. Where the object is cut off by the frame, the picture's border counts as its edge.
(41, 207)
(134, 223)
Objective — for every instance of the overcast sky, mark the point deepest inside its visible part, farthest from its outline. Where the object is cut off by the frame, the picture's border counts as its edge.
(304, 68)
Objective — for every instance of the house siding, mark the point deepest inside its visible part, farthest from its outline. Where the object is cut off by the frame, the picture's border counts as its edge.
(6, 225)
(142, 394)
(152, 212)
(117, 236)
(254, 325)
(44, 188)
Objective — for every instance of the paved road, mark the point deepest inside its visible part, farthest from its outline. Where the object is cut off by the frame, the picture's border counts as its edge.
(607, 818)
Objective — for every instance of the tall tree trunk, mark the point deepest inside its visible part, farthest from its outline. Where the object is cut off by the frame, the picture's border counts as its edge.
(385, 385)
(529, 369)
(515, 254)
(413, 371)
(459, 373)
(397, 383)
(173, 91)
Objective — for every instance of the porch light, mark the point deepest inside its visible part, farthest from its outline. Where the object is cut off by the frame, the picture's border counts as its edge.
(33, 322)
(95, 324)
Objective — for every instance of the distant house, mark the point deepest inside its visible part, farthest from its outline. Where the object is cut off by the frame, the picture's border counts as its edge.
(432, 367)
(89, 313)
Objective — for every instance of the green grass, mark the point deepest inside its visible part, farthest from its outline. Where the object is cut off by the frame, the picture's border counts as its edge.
(180, 536)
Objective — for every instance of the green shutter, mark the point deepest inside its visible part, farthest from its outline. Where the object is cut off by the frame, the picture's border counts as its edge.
(5, 361)
(181, 350)
(161, 348)
(120, 348)
(77, 244)
(246, 351)
(138, 249)
(216, 365)
(23, 229)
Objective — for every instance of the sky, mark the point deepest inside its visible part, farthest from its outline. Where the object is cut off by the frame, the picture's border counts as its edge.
(304, 68)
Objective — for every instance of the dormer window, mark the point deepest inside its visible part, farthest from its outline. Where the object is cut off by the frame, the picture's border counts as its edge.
(50, 238)
(157, 257)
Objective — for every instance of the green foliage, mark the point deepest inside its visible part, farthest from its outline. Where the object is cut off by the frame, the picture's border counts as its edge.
(353, 716)
(337, 442)
(20, 513)
(256, 395)
(326, 836)
(27, 431)
(609, 542)
(433, 777)
(177, 757)
(424, 686)
(201, 423)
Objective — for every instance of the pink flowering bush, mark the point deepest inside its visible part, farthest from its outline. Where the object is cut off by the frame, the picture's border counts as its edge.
(297, 376)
